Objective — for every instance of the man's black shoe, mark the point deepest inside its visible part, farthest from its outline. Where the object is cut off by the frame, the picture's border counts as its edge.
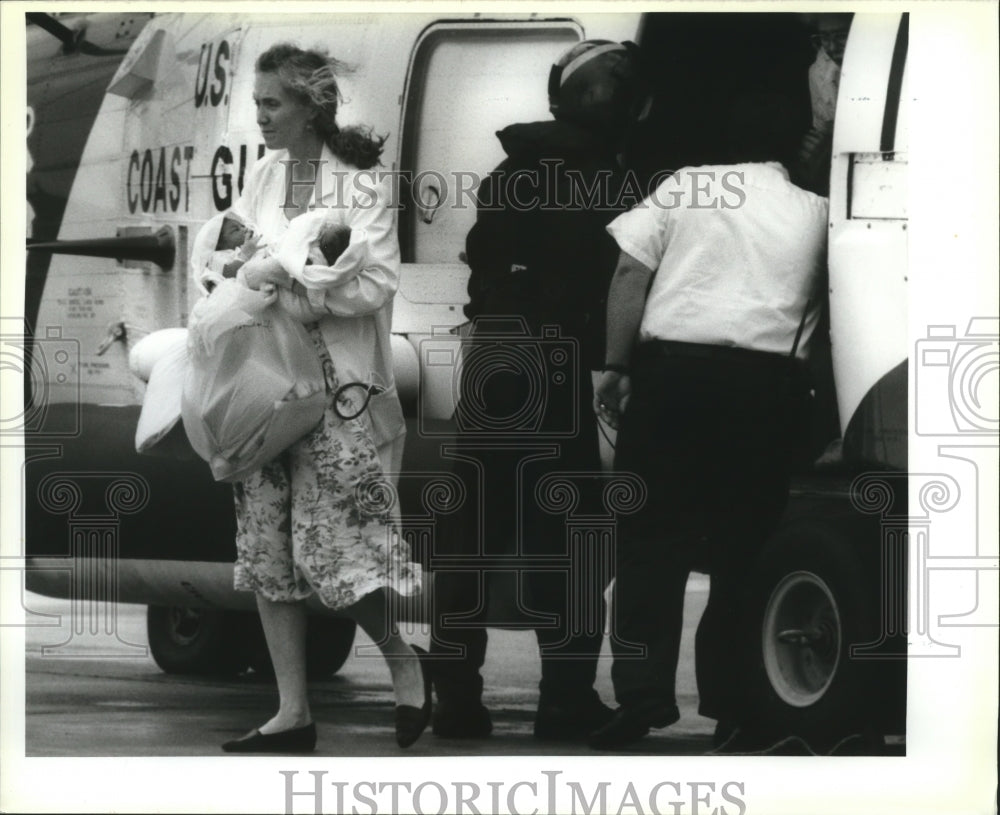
(567, 721)
(630, 723)
(461, 720)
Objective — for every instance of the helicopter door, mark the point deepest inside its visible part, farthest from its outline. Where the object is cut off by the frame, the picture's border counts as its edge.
(467, 81)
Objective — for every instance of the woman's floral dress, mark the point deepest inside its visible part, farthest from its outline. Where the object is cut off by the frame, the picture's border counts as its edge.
(318, 519)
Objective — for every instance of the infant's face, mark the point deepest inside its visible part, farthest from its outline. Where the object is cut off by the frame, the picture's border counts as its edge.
(232, 234)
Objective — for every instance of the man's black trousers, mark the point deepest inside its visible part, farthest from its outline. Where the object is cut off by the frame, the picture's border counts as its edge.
(708, 431)
(513, 517)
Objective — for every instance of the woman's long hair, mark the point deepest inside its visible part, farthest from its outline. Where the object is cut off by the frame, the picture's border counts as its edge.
(311, 77)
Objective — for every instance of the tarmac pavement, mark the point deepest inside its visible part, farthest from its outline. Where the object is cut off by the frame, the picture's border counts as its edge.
(111, 699)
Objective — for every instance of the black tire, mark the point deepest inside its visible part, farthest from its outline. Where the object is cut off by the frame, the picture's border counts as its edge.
(198, 640)
(328, 645)
(810, 600)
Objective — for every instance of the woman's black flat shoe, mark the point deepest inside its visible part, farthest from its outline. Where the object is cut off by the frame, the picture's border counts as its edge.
(296, 740)
(412, 721)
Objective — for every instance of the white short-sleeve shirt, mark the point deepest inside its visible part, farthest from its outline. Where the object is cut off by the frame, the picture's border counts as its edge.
(737, 252)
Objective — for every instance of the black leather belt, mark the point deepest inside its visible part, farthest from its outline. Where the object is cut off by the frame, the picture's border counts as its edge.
(696, 350)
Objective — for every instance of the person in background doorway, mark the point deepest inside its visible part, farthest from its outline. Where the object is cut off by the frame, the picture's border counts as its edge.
(811, 168)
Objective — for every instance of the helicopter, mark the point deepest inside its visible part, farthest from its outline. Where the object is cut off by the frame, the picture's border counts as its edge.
(141, 127)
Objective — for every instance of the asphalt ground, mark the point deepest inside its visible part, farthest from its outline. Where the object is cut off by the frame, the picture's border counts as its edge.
(111, 699)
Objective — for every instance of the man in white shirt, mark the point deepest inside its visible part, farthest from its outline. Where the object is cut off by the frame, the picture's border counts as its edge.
(712, 305)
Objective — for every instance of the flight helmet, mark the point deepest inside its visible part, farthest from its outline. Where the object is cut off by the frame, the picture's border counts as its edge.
(598, 84)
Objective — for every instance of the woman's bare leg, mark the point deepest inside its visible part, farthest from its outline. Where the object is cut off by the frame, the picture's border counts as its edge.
(285, 632)
(371, 613)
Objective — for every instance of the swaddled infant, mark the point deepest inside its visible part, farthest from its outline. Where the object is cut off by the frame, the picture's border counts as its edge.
(311, 242)
(237, 243)
(328, 253)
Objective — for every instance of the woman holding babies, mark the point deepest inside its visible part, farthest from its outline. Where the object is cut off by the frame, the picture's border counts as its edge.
(303, 527)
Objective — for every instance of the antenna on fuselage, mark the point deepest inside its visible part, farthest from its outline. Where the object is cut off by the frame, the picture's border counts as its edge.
(72, 41)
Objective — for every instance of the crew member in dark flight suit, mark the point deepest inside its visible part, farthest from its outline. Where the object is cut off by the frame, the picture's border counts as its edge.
(541, 261)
